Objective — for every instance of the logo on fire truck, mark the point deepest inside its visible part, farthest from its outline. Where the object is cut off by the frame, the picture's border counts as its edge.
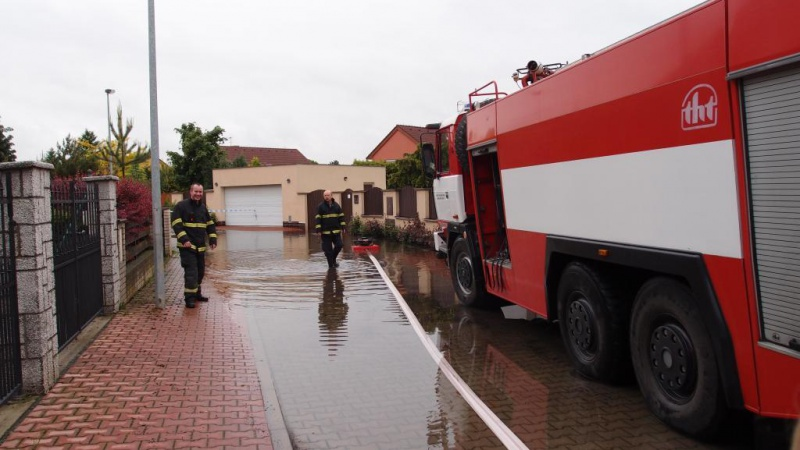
(699, 108)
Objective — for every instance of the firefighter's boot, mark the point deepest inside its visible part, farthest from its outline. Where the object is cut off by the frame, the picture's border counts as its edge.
(200, 296)
(189, 300)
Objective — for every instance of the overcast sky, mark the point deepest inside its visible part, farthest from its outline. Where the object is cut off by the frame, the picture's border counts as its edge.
(330, 78)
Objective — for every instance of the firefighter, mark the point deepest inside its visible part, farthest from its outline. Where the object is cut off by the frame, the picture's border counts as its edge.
(330, 226)
(191, 222)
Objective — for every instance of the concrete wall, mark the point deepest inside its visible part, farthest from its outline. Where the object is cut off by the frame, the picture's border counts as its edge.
(400, 222)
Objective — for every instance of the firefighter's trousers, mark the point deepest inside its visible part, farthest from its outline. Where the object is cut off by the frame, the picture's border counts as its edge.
(194, 267)
(331, 246)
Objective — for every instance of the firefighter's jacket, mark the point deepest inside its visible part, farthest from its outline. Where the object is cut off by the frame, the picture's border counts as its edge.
(330, 218)
(192, 222)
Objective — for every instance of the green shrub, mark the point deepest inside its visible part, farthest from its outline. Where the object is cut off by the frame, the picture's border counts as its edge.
(390, 231)
(373, 228)
(356, 226)
(413, 233)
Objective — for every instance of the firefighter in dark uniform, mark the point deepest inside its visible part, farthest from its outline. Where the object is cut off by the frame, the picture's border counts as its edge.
(191, 222)
(330, 225)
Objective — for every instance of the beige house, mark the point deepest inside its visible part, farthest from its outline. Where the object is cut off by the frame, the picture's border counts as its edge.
(276, 195)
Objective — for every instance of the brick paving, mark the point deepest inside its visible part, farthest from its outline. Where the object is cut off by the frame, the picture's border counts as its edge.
(156, 379)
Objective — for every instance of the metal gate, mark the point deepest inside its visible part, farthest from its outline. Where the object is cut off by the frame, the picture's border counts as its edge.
(772, 116)
(407, 198)
(373, 202)
(76, 254)
(10, 360)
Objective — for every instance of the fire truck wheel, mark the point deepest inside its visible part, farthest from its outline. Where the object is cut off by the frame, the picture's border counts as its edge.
(467, 282)
(673, 358)
(593, 324)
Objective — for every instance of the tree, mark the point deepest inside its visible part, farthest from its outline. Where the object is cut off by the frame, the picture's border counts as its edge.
(335, 162)
(200, 155)
(73, 157)
(89, 140)
(137, 173)
(121, 151)
(168, 181)
(134, 204)
(240, 161)
(7, 152)
(407, 172)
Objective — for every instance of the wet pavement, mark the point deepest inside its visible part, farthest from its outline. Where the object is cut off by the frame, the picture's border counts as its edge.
(349, 371)
(155, 379)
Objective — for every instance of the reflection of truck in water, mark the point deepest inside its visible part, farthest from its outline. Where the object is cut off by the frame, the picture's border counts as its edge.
(647, 198)
(514, 394)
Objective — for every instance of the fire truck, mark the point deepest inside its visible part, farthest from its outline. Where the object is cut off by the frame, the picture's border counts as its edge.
(647, 198)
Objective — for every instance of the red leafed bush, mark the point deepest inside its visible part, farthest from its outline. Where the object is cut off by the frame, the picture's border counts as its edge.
(134, 204)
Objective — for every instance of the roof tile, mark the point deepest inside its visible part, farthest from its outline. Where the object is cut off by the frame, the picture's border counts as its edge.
(267, 156)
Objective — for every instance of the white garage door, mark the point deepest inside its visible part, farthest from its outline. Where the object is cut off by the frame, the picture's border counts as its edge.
(254, 206)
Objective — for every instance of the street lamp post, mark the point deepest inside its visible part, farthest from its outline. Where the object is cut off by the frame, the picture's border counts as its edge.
(108, 141)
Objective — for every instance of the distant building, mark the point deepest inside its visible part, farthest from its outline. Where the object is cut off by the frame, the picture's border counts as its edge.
(267, 156)
(401, 140)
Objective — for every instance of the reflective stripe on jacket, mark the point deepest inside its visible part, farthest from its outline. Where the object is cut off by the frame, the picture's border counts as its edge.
(192, 222)
(330, 218)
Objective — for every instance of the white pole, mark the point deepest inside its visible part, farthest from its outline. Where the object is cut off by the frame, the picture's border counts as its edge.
(155, 167)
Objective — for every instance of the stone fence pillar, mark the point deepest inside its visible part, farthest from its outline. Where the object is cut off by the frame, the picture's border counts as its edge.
(169, 246)
(109, 250)
(36, 295)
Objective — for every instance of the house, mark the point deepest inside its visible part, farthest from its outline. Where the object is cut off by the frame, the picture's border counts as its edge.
(274, 196)
(402, 139)
(267, 156)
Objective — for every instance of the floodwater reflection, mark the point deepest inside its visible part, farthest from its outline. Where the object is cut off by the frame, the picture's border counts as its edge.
(333, 313)
(350, 372)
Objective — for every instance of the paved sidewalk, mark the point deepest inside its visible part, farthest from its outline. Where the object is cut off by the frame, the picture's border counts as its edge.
(171, 378)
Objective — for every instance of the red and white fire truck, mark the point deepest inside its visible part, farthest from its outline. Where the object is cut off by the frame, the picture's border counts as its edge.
(646, 197)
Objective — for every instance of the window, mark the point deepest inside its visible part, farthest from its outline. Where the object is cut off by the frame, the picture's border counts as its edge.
(355, 199)
(444, 152)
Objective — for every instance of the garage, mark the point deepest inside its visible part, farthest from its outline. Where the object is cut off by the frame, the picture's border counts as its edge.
(254, 206)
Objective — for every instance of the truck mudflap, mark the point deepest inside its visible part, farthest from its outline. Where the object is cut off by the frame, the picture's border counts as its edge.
(439, 243)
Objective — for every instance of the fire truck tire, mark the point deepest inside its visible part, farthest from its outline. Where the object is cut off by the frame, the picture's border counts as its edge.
(467, 282)
(673, 359)
(593, 323)
(461, 146)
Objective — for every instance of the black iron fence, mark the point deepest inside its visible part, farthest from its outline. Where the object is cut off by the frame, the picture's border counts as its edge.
(76, 254)
(10, 360)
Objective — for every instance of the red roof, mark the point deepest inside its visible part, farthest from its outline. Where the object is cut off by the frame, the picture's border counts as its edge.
(266, 156)
(411, 131)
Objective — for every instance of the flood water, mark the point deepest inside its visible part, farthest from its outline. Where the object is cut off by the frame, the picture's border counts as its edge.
(350, 372)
